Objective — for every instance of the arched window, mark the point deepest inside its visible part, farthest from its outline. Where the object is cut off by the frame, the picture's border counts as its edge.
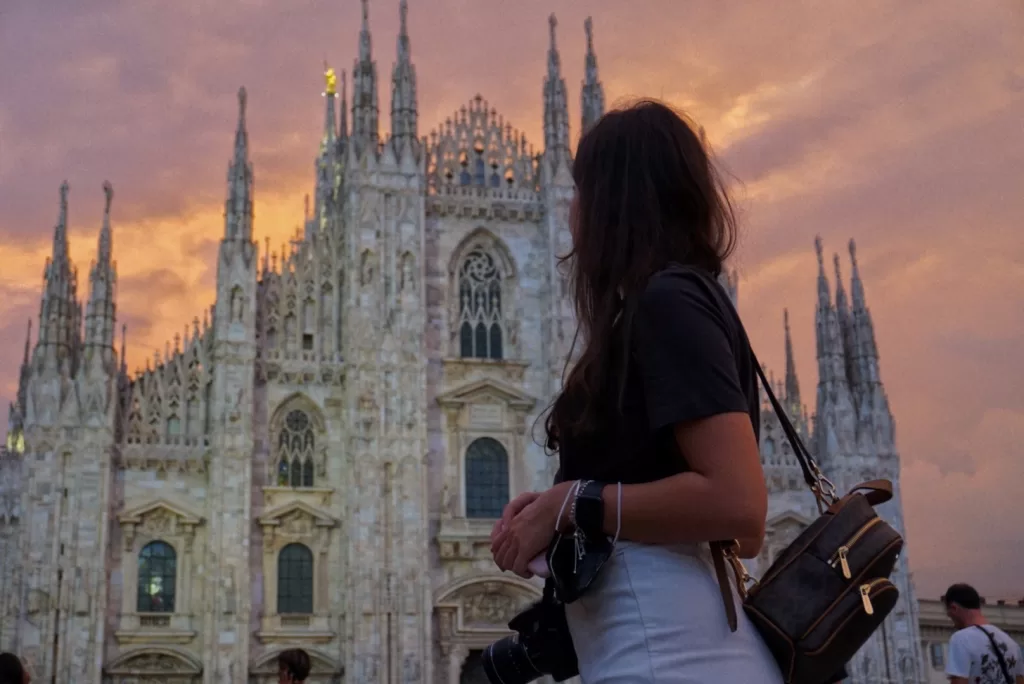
(295, 580)
(295, 448)
(480, 319)
(193, 423)
(158, 567)
(486, 478)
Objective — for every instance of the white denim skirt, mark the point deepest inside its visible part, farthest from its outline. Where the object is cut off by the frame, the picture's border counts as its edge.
(655, 614)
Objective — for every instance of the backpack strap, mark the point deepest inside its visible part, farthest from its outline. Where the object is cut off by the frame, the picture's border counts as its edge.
(824, 491)
(718, 553)
(875, 491)
(998, 653)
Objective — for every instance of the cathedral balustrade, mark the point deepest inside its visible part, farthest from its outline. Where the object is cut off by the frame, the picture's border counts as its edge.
(522, 195)
(311, 357)
(192, 457)
(186, 441)
(466, 203)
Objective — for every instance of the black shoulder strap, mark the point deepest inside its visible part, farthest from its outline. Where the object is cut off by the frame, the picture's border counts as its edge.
(999, 654)
(807, 464)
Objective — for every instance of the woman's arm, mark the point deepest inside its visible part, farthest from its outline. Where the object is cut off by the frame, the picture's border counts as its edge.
(750, 548)
(723, 496)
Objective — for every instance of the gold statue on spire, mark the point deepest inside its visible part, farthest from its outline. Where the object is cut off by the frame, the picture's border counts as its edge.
(332, 80)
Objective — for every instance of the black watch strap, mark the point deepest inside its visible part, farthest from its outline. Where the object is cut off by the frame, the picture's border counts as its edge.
(589, 509)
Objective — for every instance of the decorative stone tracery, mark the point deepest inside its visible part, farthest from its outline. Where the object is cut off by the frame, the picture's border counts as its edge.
(475, 148)
(298, 438)
(482, 291)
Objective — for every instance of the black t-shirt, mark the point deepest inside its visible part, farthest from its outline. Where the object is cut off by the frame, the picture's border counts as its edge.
(689, 358)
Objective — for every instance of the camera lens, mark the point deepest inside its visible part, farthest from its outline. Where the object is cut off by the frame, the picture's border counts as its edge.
(508, 662)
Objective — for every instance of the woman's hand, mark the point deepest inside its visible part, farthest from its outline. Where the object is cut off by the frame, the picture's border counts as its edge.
(528, 531)
(512, 509)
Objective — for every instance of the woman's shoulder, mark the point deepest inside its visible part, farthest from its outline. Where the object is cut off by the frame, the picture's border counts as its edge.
(679, 288)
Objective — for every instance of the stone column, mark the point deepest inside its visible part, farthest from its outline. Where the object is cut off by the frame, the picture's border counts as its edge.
(456, 659)
(185, 607)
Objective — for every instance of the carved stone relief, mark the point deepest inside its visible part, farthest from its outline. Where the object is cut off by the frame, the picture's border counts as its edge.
(488, 609)
(486, 605)
(154, 668)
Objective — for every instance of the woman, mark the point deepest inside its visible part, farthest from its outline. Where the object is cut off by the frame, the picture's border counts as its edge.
(662, 407)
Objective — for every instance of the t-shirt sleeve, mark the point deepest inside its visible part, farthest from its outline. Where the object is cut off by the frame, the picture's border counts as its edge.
(683, 350)
(958, 662)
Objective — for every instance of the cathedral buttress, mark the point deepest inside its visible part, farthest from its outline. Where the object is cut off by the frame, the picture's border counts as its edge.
(835, 428)
(556, 108)
(99, 356)
(592, 92)
(793, 404)
(556, 186)
(327, 162)
(227, 613)
(386, 382)
(851, 449)
(878, 425)
(365, 108)
(68, 435)
(403, 92)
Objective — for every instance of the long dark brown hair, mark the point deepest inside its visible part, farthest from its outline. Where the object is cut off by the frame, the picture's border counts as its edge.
(647, 194)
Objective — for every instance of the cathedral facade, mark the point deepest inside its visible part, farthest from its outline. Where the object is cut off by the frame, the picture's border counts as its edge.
(318, 459)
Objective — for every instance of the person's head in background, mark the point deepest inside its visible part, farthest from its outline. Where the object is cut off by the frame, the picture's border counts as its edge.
(12, 671)
(963, 606)
(292, 666)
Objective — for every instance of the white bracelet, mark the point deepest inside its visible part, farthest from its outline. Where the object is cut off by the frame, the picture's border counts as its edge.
(618, 516)
(568, 495)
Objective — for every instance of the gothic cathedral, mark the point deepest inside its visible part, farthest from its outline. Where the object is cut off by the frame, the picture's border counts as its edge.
(318, 460)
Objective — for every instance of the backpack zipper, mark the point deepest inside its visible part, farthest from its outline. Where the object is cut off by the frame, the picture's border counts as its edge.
(865, 594)
(841, 556)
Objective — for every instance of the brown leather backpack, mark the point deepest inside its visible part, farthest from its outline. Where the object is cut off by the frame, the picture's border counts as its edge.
(829, 590)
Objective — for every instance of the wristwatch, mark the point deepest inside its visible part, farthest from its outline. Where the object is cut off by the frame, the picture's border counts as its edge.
(589, 509)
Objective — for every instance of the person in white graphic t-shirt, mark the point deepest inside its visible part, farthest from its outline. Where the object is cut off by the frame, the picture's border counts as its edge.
(979, 652)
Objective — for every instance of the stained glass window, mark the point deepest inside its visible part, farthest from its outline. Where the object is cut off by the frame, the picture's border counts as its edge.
(295, 447)
(486, 478)
(158, 565)
(295, 580)
(480, 331)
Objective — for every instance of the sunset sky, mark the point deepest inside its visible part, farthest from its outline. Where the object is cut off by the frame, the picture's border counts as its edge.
(899, 124)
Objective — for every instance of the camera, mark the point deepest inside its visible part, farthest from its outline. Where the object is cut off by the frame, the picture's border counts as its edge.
(540, 646)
